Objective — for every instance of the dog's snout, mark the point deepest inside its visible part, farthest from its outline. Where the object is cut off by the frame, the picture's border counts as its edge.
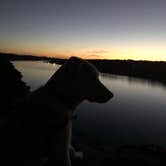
(106, 96)
(105, 92)
(101, 95)
(110, 95)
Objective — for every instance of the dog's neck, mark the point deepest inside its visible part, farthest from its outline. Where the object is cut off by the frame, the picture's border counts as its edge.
(71, 102)
(68, 100)
(49, 97)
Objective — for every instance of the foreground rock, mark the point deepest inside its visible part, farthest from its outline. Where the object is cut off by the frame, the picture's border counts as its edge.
(140, 155)
(12, 88)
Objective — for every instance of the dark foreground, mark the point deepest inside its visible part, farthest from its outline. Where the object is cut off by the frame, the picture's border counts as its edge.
(13, 91)
(130, 155)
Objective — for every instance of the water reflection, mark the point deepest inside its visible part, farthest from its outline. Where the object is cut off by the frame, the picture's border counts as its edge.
(136, 114)
(135, 80)
(35, 73)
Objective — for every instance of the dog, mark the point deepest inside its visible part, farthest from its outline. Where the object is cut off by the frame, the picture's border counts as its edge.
(45, 131)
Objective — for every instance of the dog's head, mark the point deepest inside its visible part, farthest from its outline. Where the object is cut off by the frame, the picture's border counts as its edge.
(79, 79)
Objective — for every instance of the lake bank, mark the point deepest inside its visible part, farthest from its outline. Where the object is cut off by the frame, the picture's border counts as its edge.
(12, 88)
(140, 69)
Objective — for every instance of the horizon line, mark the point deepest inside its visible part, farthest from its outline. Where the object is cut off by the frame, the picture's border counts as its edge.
(51, 57)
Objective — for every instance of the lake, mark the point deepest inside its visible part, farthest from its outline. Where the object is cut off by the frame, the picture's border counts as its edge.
(135, 115)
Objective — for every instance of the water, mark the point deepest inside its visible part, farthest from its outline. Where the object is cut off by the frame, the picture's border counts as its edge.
(35, 73)
(136, 114)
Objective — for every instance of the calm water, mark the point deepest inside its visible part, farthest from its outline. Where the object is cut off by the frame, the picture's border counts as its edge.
(136, 114)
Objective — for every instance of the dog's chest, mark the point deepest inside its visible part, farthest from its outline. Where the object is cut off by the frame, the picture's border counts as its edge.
(58, 115)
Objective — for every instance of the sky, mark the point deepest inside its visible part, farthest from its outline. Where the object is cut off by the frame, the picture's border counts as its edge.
(99, 29)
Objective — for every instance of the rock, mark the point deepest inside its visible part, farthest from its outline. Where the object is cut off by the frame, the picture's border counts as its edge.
(12, 88)
(144, 155)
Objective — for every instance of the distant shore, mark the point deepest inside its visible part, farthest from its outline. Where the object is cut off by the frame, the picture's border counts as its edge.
(152, 70)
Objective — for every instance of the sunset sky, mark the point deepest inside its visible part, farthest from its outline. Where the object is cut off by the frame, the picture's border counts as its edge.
(105, 29)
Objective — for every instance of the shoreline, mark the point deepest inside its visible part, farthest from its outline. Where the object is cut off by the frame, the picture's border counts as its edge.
(150, 70)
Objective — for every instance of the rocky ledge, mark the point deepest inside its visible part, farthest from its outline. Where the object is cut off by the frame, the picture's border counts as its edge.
(12, 88)
(130, 155)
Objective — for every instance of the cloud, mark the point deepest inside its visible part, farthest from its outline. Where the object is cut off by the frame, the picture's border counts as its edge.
(98, 51)
(92, 56)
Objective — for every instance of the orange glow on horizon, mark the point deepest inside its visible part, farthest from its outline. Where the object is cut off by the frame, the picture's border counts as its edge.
(134, 53)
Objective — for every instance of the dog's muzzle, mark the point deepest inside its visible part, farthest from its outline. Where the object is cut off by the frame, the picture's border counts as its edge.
(101, 95)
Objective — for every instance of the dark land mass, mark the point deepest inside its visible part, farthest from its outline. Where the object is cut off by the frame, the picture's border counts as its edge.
(141, 69)
(14, 91)
(12, 88)
(16, 57)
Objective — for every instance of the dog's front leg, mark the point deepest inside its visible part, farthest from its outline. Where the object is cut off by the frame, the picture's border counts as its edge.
(59, 154)
(75, 155)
